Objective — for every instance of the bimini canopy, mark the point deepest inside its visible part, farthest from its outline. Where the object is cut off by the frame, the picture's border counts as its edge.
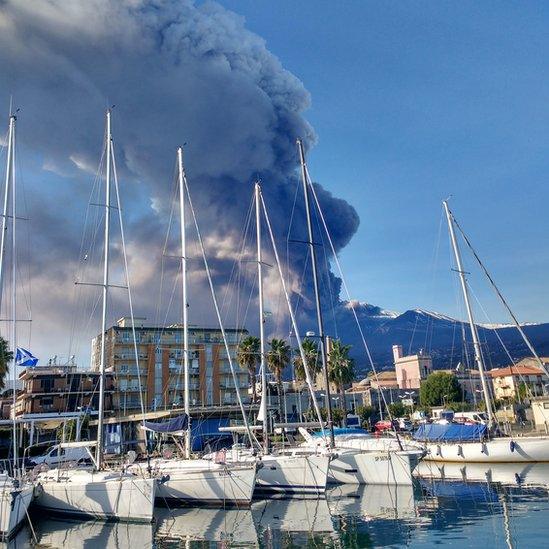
(451, 432)
(174, 426)
(345, 431)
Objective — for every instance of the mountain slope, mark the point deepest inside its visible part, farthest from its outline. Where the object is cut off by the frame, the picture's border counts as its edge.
(438, 334)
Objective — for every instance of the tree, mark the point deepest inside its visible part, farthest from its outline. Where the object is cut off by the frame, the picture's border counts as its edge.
(338, 416)
(278, 358)
(397, 409)
(248, 357)
(310, 349)
(364, 413)
(6, 356)
(341, 370)
(439, 389)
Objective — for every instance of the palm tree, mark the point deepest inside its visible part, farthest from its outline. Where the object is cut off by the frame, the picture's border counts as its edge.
(278, 358)
(6, 356)
(310, 349)
(247, 356)
(341, 370)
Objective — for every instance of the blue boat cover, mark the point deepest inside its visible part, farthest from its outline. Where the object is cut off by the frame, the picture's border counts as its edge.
(344, 431)
(174, 425)
(451, 432)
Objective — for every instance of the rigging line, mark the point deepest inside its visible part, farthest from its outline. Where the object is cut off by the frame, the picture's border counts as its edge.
(227, 297)
(242, 279)
(127, 276)
(434, 263)
(165, 388)
(453, 342)
(507, 352)
(294, 324)
(165, 246)
(218, 314)
(326, 278)
(290, 226)
(77, 290)
(500, 296)
(351, 304)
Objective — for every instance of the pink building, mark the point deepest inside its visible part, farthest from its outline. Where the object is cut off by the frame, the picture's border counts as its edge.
(412, 369)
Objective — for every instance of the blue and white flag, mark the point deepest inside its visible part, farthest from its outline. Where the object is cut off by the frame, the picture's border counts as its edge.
(25, 358)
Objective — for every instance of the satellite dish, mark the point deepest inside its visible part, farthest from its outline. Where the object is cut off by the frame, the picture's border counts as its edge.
(131, 456)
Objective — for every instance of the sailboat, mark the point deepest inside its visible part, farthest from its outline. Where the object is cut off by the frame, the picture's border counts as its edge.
(353, 463)
(479, 443)
(194, 481)
(283, 470)
(97, 492)
(16, 493)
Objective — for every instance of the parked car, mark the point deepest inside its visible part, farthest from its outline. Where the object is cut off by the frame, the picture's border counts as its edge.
(471, 417)
(56, 455)
(383, 425)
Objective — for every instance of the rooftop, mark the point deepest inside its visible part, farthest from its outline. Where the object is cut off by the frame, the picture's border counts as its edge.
(516, 371)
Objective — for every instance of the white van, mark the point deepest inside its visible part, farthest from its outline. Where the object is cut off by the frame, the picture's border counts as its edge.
(476, 417)
(56, 455)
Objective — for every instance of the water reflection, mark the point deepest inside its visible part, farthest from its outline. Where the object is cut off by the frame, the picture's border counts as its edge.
(91, 534)
(234, 527)
(467, 506)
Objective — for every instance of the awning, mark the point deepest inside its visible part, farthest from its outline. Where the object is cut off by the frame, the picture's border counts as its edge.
(176, 425)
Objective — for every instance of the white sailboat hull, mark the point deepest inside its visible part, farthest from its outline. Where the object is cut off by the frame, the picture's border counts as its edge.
(293, 474)
(511, 474)
(14, 503)
(497, 450)
(202, 482)
(355, 467)
(100, 495)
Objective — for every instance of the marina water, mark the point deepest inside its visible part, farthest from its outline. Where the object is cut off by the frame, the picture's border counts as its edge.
(509, 508)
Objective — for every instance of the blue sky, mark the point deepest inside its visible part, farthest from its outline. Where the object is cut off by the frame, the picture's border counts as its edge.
(413, 102)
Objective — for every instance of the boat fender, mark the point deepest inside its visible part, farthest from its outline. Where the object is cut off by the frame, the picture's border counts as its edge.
(518, 478)
(512, 445)
(460, 450)
(439, 450)
(484, 450)
(164, 479)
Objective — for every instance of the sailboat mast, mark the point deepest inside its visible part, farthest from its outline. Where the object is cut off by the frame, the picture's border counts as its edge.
(11, 132)
(99, 447)
(184, 296)
(320, 322)
(11, 164)
(474, 333)
(263, 364)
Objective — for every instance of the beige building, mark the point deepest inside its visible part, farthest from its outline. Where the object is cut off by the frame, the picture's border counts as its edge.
(161, 365)
(411, 370)
(506, 381)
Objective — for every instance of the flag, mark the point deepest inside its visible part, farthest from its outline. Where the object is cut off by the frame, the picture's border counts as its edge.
(25, 358)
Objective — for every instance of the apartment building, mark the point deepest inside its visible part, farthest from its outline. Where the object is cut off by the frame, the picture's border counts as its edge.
(507, 381)
(160, 358)
(61, 389)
